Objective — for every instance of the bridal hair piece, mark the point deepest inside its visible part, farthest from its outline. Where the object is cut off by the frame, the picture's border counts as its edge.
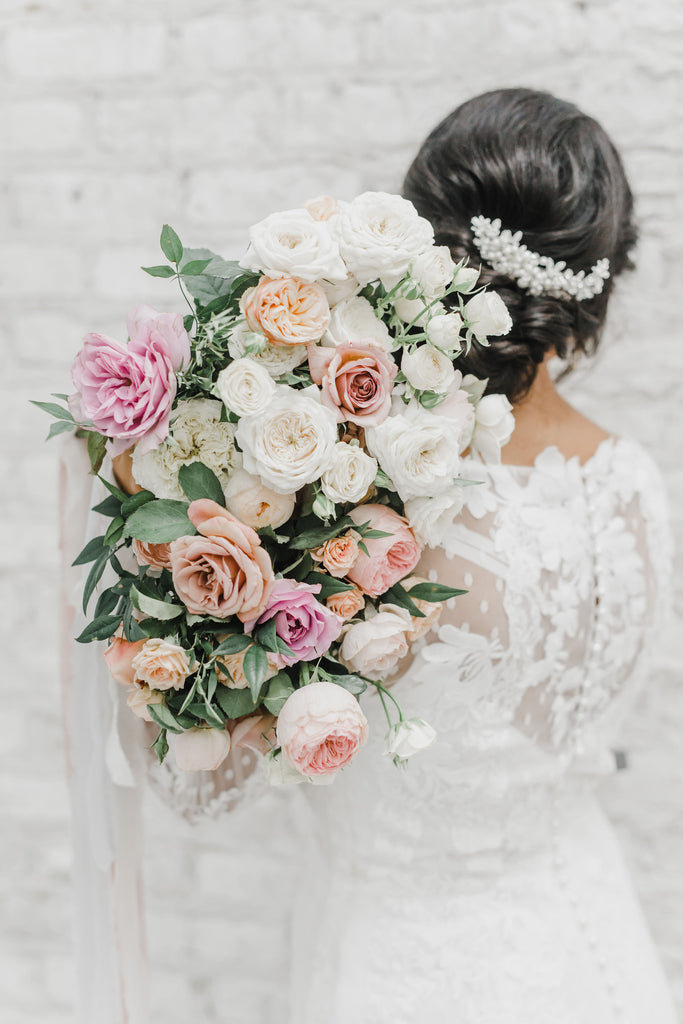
(539, 275)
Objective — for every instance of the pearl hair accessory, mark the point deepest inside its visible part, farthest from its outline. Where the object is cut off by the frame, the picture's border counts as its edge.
(539, 275)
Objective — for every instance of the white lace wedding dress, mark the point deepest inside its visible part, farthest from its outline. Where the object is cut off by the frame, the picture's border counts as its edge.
(482, 883)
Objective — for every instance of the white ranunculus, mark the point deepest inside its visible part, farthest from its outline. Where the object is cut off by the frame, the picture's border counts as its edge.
(292, 243)
(354, 319)
(433, 269)
(487, 314)
(255, 504)
(196, 435)
(493, 426)
(374, 647)
(431, 518)
(416, 449)
(380, 235)
(245, 387)
(200, 750)
(350, 475)
(427, 369)
(444, 330)
(291, 443)
(409, 737)
(276, 359)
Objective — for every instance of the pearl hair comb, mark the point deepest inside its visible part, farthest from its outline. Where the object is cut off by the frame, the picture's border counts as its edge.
(539, 275)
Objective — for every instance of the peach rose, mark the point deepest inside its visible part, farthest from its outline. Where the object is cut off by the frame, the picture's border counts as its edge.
(224, 571)
(356, 379)
(430, 609)
(256, 732)
(158, 556)
(200, 750)
(234, 664)
(339, 554)
(320, 728)
(139, 699)
(161, 664)
(288, 311)
(347, 604)
(119, 658)
(389, 558)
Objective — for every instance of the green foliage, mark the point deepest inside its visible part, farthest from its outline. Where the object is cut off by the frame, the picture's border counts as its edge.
(328, 584)
(255, 668)
(433, 592)
(162, 610)
(100, 629)
(171, 246)
(198, 481)
(159, 522)
(159, 271)
(235, 703)
(400, 596)
(279, 689)
(160, 746)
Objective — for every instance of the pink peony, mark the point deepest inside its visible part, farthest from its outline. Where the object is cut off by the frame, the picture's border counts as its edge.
(224, 571)
(390, 558)
(306, 625)
(127, 391)
(320, 728)
(356, 378)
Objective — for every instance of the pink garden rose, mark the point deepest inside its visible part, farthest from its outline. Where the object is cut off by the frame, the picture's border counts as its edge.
(390, 558)
(356, 378)
(320, 728)
(119, 658)
(127, 391)
(224, 571)
(306, 625)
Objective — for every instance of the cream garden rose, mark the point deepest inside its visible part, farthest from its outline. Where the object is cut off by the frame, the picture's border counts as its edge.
(276, 359)
(161, 664)
(409, 737)
(487, 315)
(380, 235)
(374, 647)
(292, 243)
(433, 269)
(444, 331)
(291, 444)
(350, 475)
(245, 387)
(248, 498)
(354, 319)
(427, 369)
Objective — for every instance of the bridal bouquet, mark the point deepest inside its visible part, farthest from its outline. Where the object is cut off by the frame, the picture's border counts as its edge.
(295, 441)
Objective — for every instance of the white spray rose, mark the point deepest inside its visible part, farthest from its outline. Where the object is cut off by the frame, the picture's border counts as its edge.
(279, 772)
(433, 270)
(290, 444)
(355, 320)
(444, 330)
(487, 314)
(350, 475)
(276, 359)
(427, 369)
(196, 434)
(493, 426)
(379, 235)
(255, 504)
(409, 737)
(292, 243)
(245, 387)
(466, 278)
(431, 518)
(416, 449)
(374, 647)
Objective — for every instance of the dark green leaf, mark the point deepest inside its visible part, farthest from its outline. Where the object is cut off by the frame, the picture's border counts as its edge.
(162, 610)
(159, 522)
(92, 550)
(116, 491)
(279, 689)
(399, 595)
(160, 746)
(315, 537)
(100, 629)
(114, 531)
(266, 636)
(188, 322)
(135, 501)
(376, 534)
(97, 447)
(111, 506)
(194, 267)
(58, 411)
(131, 629)
(164, 717)
(233, 645)
(301, 571)
(328, 584)
(106, 603)
(171, 246)
(255, 668)
(354, 684)
(198, 481)
(59, 427)
(153, 627)
(159, 271)
(235, 703)
(433, 592)
(94, 577)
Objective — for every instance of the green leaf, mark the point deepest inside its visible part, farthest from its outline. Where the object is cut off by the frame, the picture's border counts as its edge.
(106, 603)
(100, 629)
(234, 703)
(433, 592)
(315, 537)
(399, 595)
(160, 521)
(114, 531)
(328, 584)
(135, 501)
(59, 427)
(354, 684)
(94, 577)
(233, 645)
(255, 668)
(198, 481)
(194, 267)
(157, 609)
(58, 411)
(280, 688)
(159, 271)
(153, 628)
(164, 717)
(97, 448)
(171, 246)
(92, 550)
(160, 746)
(267, 636)
(110, 506)
(62, 398)
(131, 629)
(116, 491)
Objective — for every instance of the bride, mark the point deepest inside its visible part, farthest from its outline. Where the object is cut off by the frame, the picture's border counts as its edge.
(483, 884)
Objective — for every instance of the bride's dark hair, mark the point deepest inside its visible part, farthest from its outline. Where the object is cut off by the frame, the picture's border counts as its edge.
(548, 170)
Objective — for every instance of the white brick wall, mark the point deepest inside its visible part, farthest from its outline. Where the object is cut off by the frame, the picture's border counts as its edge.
(116, 116)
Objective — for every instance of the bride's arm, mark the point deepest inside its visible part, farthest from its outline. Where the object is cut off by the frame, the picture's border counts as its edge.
(123, 472)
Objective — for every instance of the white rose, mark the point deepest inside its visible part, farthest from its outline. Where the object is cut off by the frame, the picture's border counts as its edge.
(465, 278)
(276, 359)
(409, 737)
(200, 750)
(427, 369)
(255, 504)
(493, 426)
(379, 235)
(415, 449)
(444, 330)
(196, 434)
(337, 291)
(322, 207)
(458, 408)
(433, 270)
(350, 475)
(355, 320)
(374, 647)
(291, 443)
(431, 518)
(245, 387)
(487, 314)
(292, 243)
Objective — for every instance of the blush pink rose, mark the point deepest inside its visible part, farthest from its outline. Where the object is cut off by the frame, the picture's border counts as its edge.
(224, 571)
(119, 658)
(356, 378)
(256, 732)
(320, 728)
(287, 310)
(157, 556)
(306, 625)
(127, 391)
(390, 558)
